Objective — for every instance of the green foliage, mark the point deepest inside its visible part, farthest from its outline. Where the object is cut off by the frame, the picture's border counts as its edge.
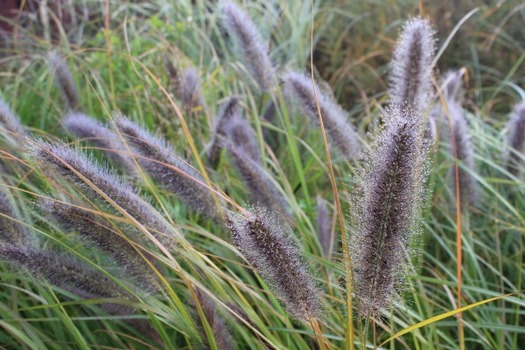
(200, 279)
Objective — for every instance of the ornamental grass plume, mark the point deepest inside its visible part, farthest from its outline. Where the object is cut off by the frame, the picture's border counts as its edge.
(11, 229)
(228, 111)
(186, 86)
(411, 67)
(262, 188)
(452, 93)
(68, 274)
(10, 127)
(387, 211)
(267, 242)
(221, 334)
(87, 128)
(105, 236)
(340, 132)
(516, 139)
(98, 183)
(324, 228)
(462, 150)
(452, 85)
(249, 45)
(64, 80)
(243, 137)
(158, 159)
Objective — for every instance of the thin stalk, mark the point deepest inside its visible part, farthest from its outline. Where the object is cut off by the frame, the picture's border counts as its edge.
(346, 252)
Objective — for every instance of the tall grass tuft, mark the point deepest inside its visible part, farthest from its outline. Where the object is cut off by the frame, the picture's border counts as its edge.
(516, 139)
(158, 158)
(268, 244)
(411, 67)
(341, 133)
(386, 214)
(98, 183)
(64, 80)
(87, 128)
(251, 49)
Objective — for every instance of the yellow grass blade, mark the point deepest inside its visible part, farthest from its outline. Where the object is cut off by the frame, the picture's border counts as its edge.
(443, 316)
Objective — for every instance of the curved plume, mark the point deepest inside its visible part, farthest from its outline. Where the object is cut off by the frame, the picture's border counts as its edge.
(386, 216)
(267, 243)
(340, 132)
(248, 42)
(411, 67)
(516, 139)
(158, 158)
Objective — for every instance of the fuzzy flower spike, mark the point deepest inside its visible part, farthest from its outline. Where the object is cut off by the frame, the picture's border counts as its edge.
(411, 75)
(340, 131)
(64, 80)
(251, 49)
(516, 138)
(267, 243)
(387, 211)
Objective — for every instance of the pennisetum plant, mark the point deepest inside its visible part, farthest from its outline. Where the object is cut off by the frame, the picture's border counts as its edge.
(516, 139)
(64, 80)
(229, 111)
(219, 330)
(86, 128)
(67, 273)
(386, 212)
(186, 85)
(258, 181)
(411, 67)
(267, 242)
(324, 228)
(10, 127)
(454, 130)
(11, 228)
(101, 186)
(158, 158)
(105, 236)
(249, 45)
(341, 133)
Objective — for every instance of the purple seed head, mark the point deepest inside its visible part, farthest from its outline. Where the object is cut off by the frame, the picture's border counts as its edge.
(247, 40)
(221, 333)
(90, 179)
(158, 159)
(64, 80)
(67, 273)
(263, 190)
(10, 126)
(516, 139)
(411, 67)
(324, 228)
(267, 243)
(229, 111)
(11, 229)
(452, 85)
(387, 211)
(87, 128)
(341, 134)
(105, 236)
